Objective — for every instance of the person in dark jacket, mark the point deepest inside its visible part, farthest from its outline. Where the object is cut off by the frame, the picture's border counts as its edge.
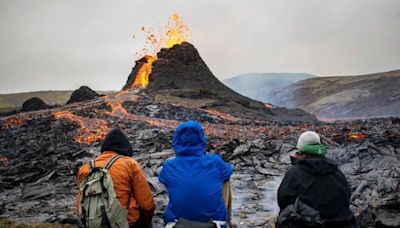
(194, 180)
(318, 182)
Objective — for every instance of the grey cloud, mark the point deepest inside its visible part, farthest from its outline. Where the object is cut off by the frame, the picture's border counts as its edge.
(62, 44)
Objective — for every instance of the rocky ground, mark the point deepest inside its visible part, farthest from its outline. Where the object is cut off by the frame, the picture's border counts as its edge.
(41, 151)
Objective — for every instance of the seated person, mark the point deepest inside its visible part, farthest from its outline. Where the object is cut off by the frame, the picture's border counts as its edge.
(318, 183)
(194, 180)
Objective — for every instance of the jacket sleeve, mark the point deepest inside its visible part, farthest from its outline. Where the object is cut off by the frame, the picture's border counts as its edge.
(287, 192)
(162, 175)
(142, 194)
(225, 168)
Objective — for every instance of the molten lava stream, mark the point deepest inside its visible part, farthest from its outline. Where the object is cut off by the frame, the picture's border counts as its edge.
(89, 131)
(357, 136)
(142, 78)
(13, 121)
(114, 101)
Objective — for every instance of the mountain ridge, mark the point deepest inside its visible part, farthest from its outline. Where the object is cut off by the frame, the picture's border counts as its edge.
(257, 85)
(371, 95)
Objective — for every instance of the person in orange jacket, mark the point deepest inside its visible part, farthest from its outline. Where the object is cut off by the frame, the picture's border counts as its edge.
(130, 184)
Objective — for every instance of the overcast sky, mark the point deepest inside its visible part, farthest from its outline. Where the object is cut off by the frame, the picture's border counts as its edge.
(62, 44)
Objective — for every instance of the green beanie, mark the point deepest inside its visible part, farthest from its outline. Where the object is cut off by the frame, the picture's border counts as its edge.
(316, 149)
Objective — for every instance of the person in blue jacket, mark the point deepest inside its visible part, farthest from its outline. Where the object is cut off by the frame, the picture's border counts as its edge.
(194, 180)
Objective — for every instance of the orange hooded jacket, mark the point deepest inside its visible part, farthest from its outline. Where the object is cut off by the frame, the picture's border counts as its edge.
(130, 183)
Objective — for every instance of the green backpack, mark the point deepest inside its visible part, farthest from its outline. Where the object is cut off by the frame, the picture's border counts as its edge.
(99, 204)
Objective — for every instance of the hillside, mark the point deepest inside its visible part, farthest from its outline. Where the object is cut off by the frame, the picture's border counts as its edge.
(258, 85)
(372, 95)
(14, 100)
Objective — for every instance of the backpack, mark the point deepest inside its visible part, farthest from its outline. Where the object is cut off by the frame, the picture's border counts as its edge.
(99, 204)
(299, 215)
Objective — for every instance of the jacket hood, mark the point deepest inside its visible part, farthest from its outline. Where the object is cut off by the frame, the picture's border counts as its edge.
(189, 139)
(117, 141)
(317, 165)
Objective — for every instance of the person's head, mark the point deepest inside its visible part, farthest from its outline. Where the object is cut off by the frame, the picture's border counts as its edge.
(118, 142)
(189, 139)
(308, 138)
(310, 143)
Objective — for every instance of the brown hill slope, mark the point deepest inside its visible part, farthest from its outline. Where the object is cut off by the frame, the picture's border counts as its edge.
(15, 100)
(373, 95)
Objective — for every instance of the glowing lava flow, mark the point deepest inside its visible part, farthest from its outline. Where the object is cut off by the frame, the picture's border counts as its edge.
(14, 121)
(142, 77)
(176, 33)
(357, 136)
(221, 115)
(89, 131)
(115, 102)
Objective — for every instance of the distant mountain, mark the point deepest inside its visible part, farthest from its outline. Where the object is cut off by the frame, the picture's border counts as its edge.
(373, 95)
(259, 86)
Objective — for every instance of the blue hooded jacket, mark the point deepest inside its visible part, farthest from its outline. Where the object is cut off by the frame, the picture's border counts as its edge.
(194, 180)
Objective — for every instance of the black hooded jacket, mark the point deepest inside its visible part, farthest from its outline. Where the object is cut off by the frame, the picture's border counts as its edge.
(117, 141)
(321, 185)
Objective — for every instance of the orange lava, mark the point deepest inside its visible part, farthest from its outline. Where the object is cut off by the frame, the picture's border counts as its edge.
(357, 136)
(13, 121)
(221, 115)
(114, 101)
(143, 75)
(176, 32)
(89, 131)
(162, 123)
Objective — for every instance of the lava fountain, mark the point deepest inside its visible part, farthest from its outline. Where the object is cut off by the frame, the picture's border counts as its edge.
(176, 32)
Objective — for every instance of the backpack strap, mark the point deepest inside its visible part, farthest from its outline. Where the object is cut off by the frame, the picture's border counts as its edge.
(92, 164)
(108, 166)
(111, 162)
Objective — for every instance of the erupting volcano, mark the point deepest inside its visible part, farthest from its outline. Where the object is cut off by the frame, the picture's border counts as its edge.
(176, 33)
(41, 151)
(177, 74)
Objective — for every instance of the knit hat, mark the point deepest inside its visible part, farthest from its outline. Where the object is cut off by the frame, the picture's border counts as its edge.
(117, 141)
(308, 138)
